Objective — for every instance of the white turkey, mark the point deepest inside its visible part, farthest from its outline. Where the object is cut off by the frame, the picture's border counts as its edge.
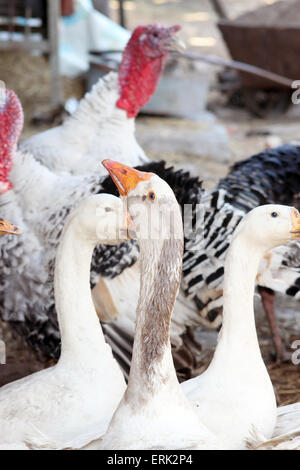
(103, 126)
(39, 201)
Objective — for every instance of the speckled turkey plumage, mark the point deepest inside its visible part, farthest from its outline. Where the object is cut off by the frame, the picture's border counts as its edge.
(270, 177)
(27, 262)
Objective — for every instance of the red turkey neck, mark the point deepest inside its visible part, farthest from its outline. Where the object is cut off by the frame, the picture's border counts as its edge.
(11, 125)
(138, 77)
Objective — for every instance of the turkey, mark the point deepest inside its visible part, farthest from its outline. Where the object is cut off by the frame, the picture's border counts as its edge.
(17, 254)
(103, 126)
(39, 201)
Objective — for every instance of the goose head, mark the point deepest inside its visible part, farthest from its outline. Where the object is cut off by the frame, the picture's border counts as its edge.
(102, 219)
(8, 228)
(270, 225)
(151, 202)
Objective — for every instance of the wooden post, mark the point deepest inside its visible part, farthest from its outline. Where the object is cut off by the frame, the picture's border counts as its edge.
(219, 9)
(67, 7)
(122, 18)
(102, 6)
(53, 38)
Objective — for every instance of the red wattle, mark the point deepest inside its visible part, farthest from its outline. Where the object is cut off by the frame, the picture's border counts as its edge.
(11, 125)
(139, 75)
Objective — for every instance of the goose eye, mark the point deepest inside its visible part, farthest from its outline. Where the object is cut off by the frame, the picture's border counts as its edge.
(108, 209)
(274, 214)
(151, 195)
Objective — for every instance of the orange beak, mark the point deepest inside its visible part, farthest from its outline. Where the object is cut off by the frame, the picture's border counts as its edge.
(7, 227)
(125, 177)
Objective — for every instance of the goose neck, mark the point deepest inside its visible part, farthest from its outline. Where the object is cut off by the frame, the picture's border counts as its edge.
(238, 335)
(152, 364)
(81, 333)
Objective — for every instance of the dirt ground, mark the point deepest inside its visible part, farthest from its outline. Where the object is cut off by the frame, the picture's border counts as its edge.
(29, 77)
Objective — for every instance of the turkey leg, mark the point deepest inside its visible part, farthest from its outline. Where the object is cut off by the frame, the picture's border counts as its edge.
(268, 297)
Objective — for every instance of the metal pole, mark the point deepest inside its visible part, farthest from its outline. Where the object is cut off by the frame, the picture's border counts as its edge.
(241, 66)
(53, 38)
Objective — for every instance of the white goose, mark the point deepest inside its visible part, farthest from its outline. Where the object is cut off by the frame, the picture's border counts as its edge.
(154, 413)
(234, 397)
(80, 393)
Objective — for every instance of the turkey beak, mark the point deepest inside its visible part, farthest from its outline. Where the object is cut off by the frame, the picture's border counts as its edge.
(7, 227)
(125, 177)
(295, 216)
(173, 44)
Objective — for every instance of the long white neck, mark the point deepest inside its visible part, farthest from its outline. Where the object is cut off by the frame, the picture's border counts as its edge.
(152, 368)
(81, 333)
(98, 108)
(238, 338)
(99, 127)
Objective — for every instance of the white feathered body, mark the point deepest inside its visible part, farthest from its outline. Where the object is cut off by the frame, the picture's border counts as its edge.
(235, 400)
(167, 422)
(63, 401)
(23, 273)
(288, 419)
(97, 130)
(39, 203)
(81, 392)
(286, 435)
